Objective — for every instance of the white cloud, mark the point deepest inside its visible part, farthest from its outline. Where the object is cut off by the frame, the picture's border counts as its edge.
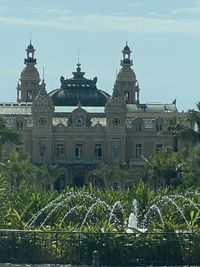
(159, 15)
(187, 10)
(133, 3)
(181, 11)
(111, 23)
(50, 11)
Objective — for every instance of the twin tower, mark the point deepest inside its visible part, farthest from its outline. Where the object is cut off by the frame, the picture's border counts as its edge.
(126, 85)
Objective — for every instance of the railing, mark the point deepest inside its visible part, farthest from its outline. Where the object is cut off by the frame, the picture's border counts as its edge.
(115, 249)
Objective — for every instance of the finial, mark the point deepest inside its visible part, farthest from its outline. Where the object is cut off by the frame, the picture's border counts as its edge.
(126, 39)
(30, 38)
(78, 55)
(43, 85)
(43, 73)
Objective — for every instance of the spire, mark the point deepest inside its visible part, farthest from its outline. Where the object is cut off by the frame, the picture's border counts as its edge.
(126, 61)
(43, 84)
(126, 39)
(78, 55)
(43, 74)
(43, 88)
(30, 37)
(30, 42)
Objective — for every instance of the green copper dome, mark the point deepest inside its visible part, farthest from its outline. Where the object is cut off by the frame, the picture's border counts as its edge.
(79, 90)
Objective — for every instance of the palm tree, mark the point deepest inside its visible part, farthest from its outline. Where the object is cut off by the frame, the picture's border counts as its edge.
(194, 118)
(8, 135)
(116, 175)
(164, 168)
(18, 169)
(52, 172)
(178, 129)
(101, 175)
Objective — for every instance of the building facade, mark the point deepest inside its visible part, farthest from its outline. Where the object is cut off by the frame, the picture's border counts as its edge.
(79, 126)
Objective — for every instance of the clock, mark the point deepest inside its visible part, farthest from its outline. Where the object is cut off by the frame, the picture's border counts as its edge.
(42, 121)
(79, 121)
(116, 121)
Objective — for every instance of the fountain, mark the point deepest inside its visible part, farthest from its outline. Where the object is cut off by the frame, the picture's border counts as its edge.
(81, 223)
(65, 202)
(82, 208)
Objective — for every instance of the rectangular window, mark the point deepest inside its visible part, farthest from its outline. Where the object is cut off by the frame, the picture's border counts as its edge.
(158, 147)
(138, 150)
(59, 149)
(116, 151)
(29, 95)
(60, 153)
(19, 124)
(98, 151)
(126, 96)
(78, 151)
(138, 126)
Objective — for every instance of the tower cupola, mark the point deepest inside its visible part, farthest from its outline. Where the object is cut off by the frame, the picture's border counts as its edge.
(30, 55)
(29, 85)
(126, 85)
(126, 56)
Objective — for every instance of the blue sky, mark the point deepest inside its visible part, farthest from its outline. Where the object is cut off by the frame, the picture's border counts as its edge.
(164, 36)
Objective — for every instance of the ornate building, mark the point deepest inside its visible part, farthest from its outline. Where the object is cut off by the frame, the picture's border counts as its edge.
(79, 126)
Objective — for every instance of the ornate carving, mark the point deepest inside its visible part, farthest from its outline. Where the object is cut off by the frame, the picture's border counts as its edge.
(60, 120)
(78, 80)
(42, 152)
(116, 104)
(101, 121)
(10, 122)
(129, 122)
(43, 100)
(149, 123)
(28, 122)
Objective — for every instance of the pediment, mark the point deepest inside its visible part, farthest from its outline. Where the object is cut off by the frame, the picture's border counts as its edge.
(79, 111)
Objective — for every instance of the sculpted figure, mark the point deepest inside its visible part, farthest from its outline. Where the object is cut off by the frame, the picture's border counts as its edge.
(42, 149)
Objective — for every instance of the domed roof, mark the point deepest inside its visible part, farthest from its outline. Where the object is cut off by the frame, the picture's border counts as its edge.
(74, 96)
(30, 73)
(126, 74)
(78, 90)
(127, 48)
(30, 47)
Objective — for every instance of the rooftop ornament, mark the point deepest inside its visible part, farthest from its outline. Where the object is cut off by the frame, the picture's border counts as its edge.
(78, 80)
